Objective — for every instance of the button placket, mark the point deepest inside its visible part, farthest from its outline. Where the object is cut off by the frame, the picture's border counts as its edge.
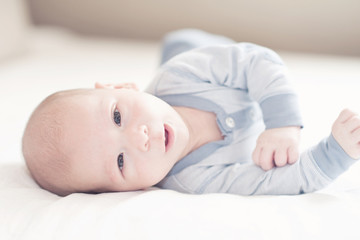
(252, 115)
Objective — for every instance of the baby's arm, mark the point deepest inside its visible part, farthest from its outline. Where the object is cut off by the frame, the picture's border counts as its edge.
(314, 170)
(270, 85)
(316, 167)
(279, 146)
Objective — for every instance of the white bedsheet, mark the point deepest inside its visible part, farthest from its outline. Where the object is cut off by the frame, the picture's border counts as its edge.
(58, 60)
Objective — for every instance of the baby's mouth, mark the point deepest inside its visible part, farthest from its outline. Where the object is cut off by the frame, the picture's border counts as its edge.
(166, 137)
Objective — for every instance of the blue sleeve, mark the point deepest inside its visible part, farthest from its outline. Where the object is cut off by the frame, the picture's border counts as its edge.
(331, 158)
(256, 70)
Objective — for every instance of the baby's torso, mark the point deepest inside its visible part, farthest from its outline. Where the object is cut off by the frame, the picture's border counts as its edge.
(234, 116)
(235, 122)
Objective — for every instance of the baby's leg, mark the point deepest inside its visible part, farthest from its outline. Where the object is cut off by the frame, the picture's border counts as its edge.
(346, 131)
(183, 40)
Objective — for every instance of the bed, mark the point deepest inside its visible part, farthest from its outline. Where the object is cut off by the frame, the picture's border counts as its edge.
(55, 59)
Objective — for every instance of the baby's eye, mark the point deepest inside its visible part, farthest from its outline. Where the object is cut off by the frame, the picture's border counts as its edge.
(120, 161)
(117, 117)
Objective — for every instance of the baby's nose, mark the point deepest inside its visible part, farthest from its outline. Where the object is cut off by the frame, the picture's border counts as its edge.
(141, 138)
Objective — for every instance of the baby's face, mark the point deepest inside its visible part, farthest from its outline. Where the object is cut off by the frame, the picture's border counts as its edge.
(120, 139)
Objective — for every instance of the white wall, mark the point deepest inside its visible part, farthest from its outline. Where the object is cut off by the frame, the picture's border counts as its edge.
(322, 26)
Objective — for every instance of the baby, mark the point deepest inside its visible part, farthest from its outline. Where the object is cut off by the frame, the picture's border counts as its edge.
(214, 109)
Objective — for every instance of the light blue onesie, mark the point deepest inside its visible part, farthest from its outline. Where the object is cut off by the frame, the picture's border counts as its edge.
(248, 89)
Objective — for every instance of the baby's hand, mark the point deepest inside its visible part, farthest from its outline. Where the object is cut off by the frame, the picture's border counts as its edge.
(346, 131)
(277, 147)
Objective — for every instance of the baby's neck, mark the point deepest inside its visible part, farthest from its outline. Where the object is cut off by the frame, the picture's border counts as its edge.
(202, 127)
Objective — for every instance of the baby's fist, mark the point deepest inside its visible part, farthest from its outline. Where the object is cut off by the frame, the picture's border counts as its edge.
(277, 147)
(346, 131)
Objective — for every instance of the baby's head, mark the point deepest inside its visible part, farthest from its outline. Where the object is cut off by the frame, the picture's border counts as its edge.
(104, 139)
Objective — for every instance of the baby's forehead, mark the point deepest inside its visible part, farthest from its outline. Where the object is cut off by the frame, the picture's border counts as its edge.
(79, 124)
(64, 108)
(76, 98)
(79, 102)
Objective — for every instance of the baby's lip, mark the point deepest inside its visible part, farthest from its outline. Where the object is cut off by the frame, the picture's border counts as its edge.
(168, 137)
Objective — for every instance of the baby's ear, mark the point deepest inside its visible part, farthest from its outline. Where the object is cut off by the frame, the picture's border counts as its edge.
(132, 86)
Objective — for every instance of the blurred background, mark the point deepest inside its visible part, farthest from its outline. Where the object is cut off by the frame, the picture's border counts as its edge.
(320, 26)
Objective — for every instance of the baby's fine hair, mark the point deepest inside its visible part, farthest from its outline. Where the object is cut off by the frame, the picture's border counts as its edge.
(43, 139)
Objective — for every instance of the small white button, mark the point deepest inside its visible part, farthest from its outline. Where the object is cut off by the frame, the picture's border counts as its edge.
(230, 122)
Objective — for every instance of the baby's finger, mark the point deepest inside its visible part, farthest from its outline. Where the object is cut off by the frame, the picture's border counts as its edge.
(280, 157)
(353, 124)
(345, 115)
(266, 159)
(356, 135)
(127, 86)
(99, 85)
(293, 155)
